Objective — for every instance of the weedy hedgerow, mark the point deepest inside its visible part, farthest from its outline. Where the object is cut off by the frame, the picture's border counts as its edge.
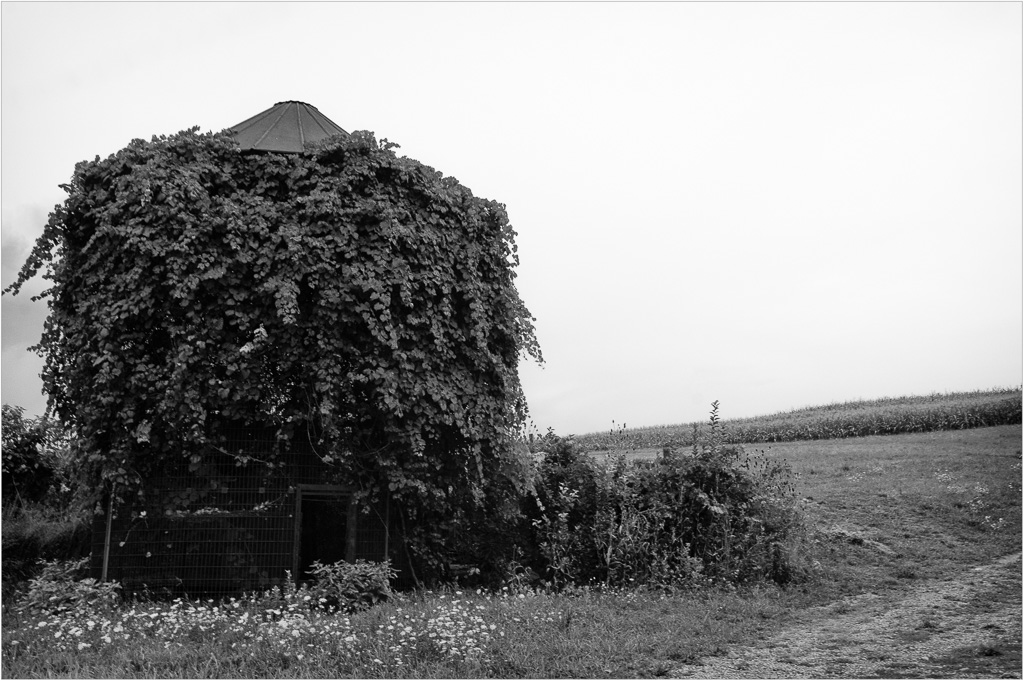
(717, 515)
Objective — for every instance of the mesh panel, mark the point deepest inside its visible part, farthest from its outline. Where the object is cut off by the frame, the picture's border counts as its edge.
(230, 528)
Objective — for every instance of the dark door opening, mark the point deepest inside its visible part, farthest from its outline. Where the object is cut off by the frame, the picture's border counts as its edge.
(325, 528)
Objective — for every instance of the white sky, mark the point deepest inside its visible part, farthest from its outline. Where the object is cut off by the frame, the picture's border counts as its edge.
(772, 205)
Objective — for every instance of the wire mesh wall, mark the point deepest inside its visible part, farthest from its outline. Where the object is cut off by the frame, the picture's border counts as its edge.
(234, 526)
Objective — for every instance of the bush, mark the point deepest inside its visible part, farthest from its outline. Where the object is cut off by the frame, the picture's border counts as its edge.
(564, 500)
(60, 588)
(39, 472)
(41, 517)
(351, 587)
(30, 537)
(27, 476)
(716, 515)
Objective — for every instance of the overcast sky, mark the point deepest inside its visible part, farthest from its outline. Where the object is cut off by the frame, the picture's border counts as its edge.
(773, 205)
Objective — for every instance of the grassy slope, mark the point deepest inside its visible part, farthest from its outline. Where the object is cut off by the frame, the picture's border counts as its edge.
(924, 496)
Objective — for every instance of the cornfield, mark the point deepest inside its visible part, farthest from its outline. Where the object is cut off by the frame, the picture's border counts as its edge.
(886, 416)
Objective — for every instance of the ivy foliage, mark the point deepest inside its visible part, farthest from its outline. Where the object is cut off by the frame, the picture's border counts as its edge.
(344, 292)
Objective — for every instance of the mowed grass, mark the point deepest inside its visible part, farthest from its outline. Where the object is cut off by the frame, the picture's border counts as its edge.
(938, 501)
(881, 513)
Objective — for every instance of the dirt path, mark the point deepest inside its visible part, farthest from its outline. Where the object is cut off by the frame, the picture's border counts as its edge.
(968, 626)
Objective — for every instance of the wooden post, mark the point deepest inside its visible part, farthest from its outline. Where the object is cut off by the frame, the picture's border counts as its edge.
(297, 535)
(106, 541)
(351, 529)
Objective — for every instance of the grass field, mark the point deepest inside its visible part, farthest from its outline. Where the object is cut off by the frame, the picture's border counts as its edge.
(883, 514)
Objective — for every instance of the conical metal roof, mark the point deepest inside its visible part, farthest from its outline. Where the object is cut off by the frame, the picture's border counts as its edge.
(285, 127)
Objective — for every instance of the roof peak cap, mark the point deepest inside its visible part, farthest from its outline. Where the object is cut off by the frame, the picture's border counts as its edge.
(287, 127)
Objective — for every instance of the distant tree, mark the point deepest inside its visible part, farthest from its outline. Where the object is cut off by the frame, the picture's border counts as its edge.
(343, 292)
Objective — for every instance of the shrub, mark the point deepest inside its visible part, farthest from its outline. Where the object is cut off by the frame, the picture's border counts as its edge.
(717, 514)
(27, 476)
(59, 588)
(41, 517)
(40, 477)
(351, 587)
(564, 501)
(30, 537)
(635, 543)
